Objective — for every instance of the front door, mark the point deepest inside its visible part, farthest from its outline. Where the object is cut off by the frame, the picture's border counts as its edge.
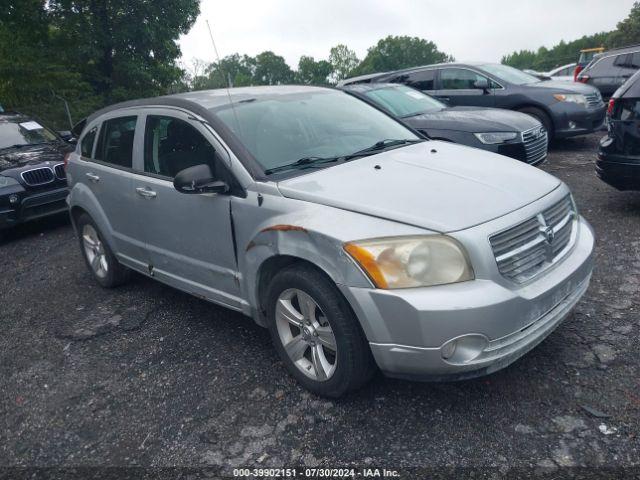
(189, 236)
(457, 86)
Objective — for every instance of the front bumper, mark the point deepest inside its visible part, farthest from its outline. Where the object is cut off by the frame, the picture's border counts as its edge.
(573, 120)
(31, 206)
(408, 330)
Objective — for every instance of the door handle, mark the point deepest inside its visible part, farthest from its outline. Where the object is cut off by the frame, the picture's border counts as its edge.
(446, 99)
(146, 193)
(92, 177)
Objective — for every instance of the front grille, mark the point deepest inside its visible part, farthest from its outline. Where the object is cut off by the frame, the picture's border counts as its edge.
(594, 100)
(536, 142)
(38, 176)
(60, 172)
(529, 248)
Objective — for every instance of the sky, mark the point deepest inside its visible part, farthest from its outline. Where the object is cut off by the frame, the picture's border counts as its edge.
(470, 30)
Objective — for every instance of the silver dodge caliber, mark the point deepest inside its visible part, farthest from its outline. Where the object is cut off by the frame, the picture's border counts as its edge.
(356, 242)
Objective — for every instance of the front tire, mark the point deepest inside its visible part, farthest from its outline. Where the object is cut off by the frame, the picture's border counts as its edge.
(316, 334)
(100, 260)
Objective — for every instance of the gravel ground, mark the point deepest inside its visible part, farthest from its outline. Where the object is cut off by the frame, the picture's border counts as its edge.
(146, 375)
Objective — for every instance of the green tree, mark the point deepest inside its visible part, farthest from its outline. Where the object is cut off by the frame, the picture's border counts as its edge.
(33, 76)
(394, 53)
(343, 61)
(311, 72)
(628, 30)
(123, 48)
(234, 69)
(271, 69)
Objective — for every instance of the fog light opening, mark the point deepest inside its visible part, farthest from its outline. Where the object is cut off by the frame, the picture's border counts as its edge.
(13, 198)
(572, 125)
(464, 349)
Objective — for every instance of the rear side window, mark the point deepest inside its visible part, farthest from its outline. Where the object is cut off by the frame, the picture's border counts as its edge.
(459, 79)
(423, 80)
(115, 144)
(86, 145)
(171, 145)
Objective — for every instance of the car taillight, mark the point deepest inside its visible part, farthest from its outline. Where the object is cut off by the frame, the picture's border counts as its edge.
(611, 106)
(583, 78)
(66, 159)
(577, 70)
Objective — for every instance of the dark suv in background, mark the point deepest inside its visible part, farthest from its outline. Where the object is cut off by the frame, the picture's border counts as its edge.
(619, 155)
(609, 70)
(33, 183)
(565, 109)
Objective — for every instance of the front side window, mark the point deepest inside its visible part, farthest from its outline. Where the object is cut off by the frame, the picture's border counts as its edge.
(21, 132)
(115, 145)
(284, 128)
(404, 101)
(86, 145)
(171, 145)
(459, 79)
(509, 74)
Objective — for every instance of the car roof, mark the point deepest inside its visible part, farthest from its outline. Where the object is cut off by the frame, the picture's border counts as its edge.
(367, 87)
(12, 117)
(210, 99)
(371, 76)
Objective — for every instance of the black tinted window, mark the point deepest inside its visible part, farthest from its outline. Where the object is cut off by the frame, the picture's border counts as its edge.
(116, 141)
(86, 145)
(459, 79)
(421, 80)
(171, 145)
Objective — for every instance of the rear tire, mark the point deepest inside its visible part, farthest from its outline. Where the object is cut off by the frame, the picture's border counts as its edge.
(326, 351)
(100, 260)
(542, 117)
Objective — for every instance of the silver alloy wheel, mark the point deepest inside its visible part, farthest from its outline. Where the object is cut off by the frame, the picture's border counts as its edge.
(306, 334)
(94, 250)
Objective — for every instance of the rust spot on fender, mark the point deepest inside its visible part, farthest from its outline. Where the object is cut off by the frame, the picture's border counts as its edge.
(284, 228)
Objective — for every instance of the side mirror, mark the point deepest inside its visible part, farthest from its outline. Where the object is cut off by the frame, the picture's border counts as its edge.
(198, 179)
(481, 84)
(67, 136)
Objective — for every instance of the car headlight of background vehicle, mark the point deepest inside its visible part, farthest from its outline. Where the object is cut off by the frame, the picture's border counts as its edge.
(491, 138)
(419, 261)
(572, 98)
(7, 181)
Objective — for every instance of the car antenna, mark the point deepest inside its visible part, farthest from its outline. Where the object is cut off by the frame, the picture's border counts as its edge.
(228, 78)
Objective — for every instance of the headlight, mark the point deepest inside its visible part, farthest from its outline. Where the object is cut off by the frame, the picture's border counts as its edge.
(405, 262)
(571, 97)
(7, 181)
(491, 138)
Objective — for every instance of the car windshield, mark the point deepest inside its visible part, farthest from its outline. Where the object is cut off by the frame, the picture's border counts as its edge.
(16, 133)
(509, 74)
(404, 101)
(281, 129)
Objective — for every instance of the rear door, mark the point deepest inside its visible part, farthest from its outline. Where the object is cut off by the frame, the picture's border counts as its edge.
(456, 86)
(107, 173)
(189, 236)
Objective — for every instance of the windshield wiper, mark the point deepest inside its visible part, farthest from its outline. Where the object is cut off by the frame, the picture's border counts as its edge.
(380, 146)
(305, 162)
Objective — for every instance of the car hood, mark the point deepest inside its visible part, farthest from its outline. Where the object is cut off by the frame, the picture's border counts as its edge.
(453, 188)
(474, 120)
(32, 155)
(563, 87)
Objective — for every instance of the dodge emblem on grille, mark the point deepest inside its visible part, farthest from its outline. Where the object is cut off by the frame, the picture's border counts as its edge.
(549, 234)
